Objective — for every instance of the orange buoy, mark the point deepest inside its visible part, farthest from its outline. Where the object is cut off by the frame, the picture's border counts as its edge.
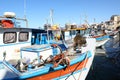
(7, 24)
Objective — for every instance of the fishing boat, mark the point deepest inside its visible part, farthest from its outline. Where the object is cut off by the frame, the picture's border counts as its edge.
(101, 40)
(112, 47)
(100, 36)
(31, 55)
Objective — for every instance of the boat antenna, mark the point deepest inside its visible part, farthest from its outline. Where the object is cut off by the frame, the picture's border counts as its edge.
(47, 31)
(81, 19)
(94, 20)
(86, 21)
(61, 34)
(25, 13)
(51, 19)
(25, 9)
(51, 16)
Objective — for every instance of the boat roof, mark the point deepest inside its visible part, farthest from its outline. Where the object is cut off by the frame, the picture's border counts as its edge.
(15, 28)
(22, 28)
(74, 29)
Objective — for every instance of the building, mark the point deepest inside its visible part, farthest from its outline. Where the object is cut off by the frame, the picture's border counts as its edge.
(113, 23)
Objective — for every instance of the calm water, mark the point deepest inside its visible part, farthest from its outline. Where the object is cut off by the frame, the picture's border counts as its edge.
(103, 68)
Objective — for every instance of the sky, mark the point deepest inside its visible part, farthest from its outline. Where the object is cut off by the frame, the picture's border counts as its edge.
(64, 11)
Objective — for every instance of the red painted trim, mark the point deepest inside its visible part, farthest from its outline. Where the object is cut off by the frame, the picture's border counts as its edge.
(61, 72)
(95, 36)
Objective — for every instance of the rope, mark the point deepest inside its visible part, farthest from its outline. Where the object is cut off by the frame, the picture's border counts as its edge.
(76, 68)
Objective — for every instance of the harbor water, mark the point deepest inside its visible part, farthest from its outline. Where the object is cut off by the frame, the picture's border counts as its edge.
(103, 68)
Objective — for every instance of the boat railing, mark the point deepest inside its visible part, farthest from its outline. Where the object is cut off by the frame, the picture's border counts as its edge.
(13, 21)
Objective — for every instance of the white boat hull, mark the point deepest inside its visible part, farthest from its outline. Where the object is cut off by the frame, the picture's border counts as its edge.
(100, 43)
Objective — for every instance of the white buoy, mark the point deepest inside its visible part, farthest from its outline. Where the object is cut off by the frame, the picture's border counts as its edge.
(9, 14)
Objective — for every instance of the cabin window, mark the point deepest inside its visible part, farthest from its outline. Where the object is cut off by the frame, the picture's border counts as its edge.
(9, 37)
(73, 32)
(82, 32)
(23, 36)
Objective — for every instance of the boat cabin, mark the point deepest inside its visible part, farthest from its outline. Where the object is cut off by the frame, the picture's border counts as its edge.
(11, 40)
(71, 33)
(13, 37)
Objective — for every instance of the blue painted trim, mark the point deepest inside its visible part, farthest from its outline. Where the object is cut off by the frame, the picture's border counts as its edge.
(31, 49)
(81, 57)
(36, 72)
(102, 38)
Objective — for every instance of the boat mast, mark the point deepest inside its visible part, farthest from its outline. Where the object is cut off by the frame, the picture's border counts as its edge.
(47, 31)
(25, 13)
(51, 17)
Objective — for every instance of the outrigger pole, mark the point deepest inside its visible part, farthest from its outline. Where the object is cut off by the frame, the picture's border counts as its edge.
(51, 17)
